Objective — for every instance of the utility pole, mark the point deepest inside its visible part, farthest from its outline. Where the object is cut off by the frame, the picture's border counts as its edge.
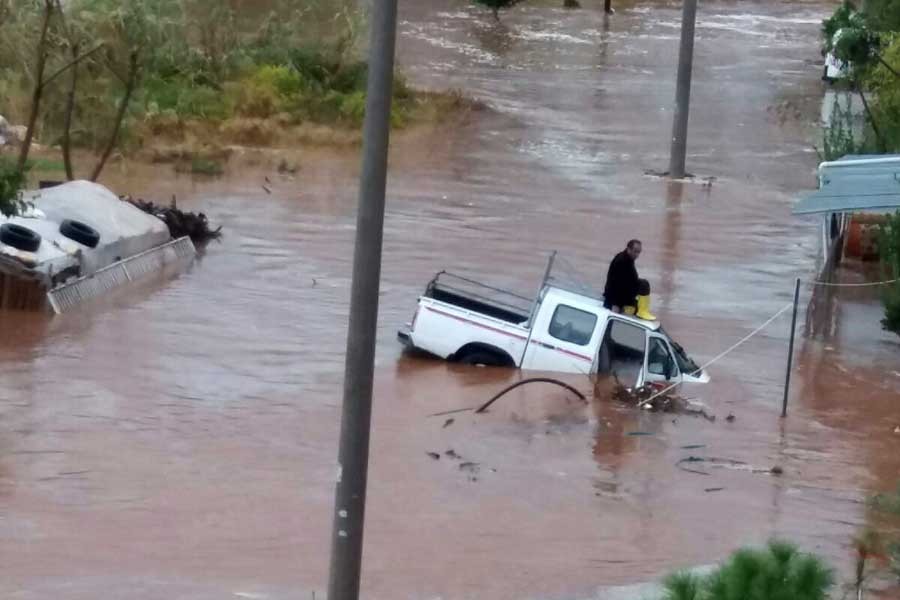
(607, 7)
(353, 456)
(683, 91)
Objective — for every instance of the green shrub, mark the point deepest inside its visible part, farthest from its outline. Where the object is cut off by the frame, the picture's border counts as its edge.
(891, 301)
(889, 250)
(284, 80)
(185, 99)
(205, 166)
(890, 503)
(269, 90)
(316, 67)
(353, 107)
(778, 572)
(12, 181)
(350, 78)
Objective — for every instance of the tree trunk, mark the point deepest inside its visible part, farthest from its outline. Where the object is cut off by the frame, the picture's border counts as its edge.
(38, 92)
(70, 111)
(130, 85)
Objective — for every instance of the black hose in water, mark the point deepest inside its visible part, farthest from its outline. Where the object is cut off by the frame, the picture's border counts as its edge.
(485, 406)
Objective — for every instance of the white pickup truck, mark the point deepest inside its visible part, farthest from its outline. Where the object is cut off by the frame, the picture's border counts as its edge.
(563, 330)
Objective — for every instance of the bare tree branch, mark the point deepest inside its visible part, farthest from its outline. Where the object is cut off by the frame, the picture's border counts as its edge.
(66, 141)
(131, 84)
(38, 91)
(71, 64)
(888, 67)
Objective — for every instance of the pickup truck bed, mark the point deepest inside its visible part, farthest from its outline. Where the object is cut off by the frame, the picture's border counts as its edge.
(479, 298)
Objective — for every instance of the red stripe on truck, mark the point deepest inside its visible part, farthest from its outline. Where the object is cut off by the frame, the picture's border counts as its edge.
(477, 324)
(564, 351)
(583, 357)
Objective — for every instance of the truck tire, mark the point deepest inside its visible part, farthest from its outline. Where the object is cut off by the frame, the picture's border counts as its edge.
(483, 358)
(80, 232)
(20, 238)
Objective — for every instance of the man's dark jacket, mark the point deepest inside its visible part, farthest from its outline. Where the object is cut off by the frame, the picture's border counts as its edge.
(621, 282)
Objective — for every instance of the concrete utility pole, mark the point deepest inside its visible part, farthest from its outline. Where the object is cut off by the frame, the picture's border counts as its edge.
(683, 91)
(353, 456)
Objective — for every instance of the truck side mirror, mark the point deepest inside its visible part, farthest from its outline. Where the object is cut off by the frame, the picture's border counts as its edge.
(669, 368)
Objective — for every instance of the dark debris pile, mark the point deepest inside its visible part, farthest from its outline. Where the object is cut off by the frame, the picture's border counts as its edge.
(180, 223)
(667, 403)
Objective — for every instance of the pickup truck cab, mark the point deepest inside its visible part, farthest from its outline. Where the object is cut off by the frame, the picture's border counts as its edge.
(561, 330)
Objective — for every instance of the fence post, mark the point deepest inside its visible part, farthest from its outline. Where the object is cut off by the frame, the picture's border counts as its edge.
(790, 359)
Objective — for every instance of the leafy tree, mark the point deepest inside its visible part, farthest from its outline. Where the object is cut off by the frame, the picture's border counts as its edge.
(884, 83)
(851, 40)
(883, 15)
(837, 21)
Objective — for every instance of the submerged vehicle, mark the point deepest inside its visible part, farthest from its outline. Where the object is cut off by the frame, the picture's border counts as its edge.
(77, 241)
(564, 328)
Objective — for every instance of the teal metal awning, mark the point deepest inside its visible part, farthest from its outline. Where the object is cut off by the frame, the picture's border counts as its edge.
(855, 183)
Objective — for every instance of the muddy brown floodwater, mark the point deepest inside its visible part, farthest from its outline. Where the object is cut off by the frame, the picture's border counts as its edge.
(179, 440)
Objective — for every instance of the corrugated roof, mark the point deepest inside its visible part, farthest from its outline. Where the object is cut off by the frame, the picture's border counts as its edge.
(855, 183)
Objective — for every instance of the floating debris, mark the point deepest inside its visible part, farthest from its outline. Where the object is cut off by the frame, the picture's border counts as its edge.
(180, 223)
(724, 463)
(667, 403)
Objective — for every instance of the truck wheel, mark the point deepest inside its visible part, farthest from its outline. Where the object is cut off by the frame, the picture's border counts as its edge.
(80, 232)
(482, 358)
(20, 238)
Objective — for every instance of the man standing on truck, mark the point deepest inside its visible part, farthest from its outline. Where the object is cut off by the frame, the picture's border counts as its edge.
(625, 292)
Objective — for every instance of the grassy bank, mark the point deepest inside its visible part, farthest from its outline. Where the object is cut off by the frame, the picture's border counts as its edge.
(184, 80)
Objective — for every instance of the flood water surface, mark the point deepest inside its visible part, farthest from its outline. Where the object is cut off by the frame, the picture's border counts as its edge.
(179, 440)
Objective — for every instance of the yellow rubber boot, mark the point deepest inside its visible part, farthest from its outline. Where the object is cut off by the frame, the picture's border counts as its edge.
(629, 310)
(643, 309)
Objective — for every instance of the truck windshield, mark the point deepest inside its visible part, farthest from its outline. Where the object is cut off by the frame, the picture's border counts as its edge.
(685, 362)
